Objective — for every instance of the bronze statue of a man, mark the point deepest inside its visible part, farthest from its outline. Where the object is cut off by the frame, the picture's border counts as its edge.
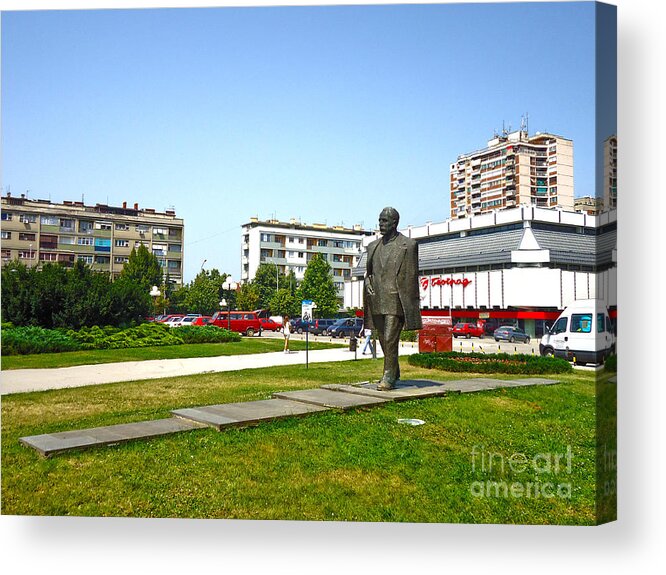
(391, 291)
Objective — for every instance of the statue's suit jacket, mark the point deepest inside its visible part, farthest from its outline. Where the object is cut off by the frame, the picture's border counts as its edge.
(406, 265)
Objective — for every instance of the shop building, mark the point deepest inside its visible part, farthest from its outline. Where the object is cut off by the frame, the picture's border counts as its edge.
(519, 266)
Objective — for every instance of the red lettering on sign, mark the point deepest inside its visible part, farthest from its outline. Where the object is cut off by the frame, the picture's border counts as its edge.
(439, 281)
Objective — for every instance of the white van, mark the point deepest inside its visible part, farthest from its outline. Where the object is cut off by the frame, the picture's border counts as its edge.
(583, 333)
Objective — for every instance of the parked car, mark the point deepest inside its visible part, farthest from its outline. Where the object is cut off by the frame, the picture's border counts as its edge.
(202, 320)
(511, 334)
(186, 320)
(172, 321)
(299, 326)
(346, 327)
(167, 317)
(583, 333)
(321, 326)
(245, 322)
(467, 330)
(268, 324)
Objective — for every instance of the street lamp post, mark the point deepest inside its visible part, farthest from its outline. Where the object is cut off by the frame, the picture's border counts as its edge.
(155, 293)
(228, 285)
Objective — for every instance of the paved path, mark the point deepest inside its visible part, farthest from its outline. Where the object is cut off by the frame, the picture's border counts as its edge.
(283, 404)
(23, 380)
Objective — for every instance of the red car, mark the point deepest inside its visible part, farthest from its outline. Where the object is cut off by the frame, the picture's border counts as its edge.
(468, 330)
(267, 324)
(245, 322)
(202, 320)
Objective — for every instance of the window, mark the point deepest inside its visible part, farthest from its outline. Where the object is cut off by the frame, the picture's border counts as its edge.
(84, 241)
(85, 259)
(142, 228)
(47, 220)
(7, 217)
(266, 238)
(103, 226)
(102, 259)
(27, 237)
(6, 235)
(160, 231)
(120, 260)
(159, 249)
(67, 240)
(28, 218)
(601, 323)
(48, 257)
(102, 245)
(27, 254)
(48, 242)
(560, 326)
(122, 243)
(322, 243)
(85, 226)
(67, 224)
(6, 254)
(301, 255)
(581, 322)
(122, 227)
(175, 248)
(173, 265)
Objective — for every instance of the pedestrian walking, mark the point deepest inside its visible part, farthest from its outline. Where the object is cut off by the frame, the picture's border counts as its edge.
(367, 333)
(286, 332)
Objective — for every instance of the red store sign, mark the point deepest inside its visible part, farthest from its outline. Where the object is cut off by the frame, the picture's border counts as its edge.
(439, 281)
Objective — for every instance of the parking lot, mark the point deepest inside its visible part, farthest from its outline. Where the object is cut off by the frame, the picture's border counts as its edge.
(484, 345)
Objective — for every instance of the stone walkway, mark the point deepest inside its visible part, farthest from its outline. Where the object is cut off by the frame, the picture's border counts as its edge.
(283, 404)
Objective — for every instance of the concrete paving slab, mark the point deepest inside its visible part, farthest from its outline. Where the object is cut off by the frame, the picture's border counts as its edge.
(406, 389)
(52, 443)
(331, 398)
(246, 413)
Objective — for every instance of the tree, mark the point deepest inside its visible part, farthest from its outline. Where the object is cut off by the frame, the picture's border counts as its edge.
(143, 268)
(204, 292)
(285, 303)
(318, 286)
(267, 279)
(247, 297)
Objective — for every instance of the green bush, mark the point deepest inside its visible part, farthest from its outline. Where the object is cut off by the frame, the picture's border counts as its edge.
(611, 363)
(205, 334)
(490, 363)
(409, 335)
(28, 340)
(144, 335)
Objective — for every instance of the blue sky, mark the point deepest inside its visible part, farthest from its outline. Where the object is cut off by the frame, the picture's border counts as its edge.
(325, 114)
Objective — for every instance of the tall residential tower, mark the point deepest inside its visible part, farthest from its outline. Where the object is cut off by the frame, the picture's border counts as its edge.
(513, 169)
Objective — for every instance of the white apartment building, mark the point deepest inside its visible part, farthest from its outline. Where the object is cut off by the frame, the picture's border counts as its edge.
(513, 169)
(291, 245)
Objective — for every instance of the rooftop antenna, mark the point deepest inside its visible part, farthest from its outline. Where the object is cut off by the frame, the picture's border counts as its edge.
(524, 123)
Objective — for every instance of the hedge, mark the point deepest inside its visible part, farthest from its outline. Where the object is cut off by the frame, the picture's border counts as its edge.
(610, 364)
(205, 334)
(490, 363)
(27, 340)
(33, 340)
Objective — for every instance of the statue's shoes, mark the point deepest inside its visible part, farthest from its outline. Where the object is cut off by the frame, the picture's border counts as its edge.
(386, 385)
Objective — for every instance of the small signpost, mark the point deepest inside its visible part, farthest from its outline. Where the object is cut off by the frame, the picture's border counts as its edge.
(307, 313)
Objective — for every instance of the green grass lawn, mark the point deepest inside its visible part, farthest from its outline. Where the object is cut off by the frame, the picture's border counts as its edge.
(245, 346)
(353, 466)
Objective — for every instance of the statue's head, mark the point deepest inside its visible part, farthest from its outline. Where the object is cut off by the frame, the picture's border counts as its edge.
(388, 221)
